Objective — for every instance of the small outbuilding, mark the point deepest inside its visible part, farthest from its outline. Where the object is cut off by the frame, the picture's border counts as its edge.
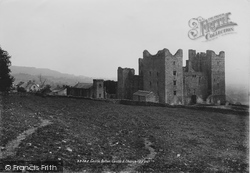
(144, 96)
(88, 90)
(59, 92)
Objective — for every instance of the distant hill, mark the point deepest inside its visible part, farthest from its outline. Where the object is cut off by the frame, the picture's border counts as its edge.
(52, 77)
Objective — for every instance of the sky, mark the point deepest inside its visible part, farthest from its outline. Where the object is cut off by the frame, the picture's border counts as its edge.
(95, 37)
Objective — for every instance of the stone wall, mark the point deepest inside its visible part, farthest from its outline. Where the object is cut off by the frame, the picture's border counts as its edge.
(152, 69)
(195, 84)
(128, 83)
(217, 76)
(204, 77)
(98, 88)
(173, 77)
(147, 98)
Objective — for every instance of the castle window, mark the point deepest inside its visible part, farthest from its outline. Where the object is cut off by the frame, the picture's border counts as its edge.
(100, 95)
(150, 83)
(218, 62)
(100, 85)
(174, 73)
(174, 82)
(157, 83)
(218, 84)
(157, 73)
(149, 73)
(175, 93)
(194, 75)
(173, 62)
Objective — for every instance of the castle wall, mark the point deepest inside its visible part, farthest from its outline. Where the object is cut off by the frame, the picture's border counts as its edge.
(205, 73)
(98, 88)
(195, 84)
(162, 73)
(217, 76)
(124, 80)
(153, 73)
(128, 83)
(173, 77)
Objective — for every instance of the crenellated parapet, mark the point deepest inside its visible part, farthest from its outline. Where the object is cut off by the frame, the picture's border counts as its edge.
(163, 53)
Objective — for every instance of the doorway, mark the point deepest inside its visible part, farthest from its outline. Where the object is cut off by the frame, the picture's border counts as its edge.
(193, 99)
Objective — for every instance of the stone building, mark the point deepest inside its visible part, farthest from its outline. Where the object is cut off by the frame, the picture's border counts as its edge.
(88, 90)
(202, 80)
(145, 96)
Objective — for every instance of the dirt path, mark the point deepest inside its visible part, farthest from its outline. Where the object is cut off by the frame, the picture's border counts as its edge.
(12, 145)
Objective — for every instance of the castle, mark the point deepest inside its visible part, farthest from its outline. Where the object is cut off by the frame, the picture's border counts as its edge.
(202, 80)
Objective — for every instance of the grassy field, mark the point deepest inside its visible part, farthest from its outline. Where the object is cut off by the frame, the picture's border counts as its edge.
(185, 140)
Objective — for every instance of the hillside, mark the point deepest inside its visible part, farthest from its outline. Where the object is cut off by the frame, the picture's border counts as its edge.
(52, 77)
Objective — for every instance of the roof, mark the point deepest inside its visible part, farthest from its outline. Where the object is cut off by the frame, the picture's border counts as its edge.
(58, 90)
(27, 85)
(83, 85)
(142, 93)
(20, 83)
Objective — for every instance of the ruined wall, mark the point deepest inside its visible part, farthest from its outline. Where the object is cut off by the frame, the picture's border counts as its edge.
(128, 83)
(162, 73)
(204, 76)
(195, 84)
(173, 77)
(217, 76)
(137, 83)
(195, 78)
(152, 68)
(125, 76)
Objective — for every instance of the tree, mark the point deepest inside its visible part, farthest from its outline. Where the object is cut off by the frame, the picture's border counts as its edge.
(42, 81)
(6, 79)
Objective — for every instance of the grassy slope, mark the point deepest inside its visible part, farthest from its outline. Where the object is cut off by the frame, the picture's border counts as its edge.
(184, 139)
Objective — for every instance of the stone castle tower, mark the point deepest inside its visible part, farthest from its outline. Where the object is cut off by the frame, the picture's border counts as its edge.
(204, 77)
(128, 83)
(98, 88)
(202, 80)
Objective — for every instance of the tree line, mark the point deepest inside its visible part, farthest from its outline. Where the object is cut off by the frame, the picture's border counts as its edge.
(6, 80)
